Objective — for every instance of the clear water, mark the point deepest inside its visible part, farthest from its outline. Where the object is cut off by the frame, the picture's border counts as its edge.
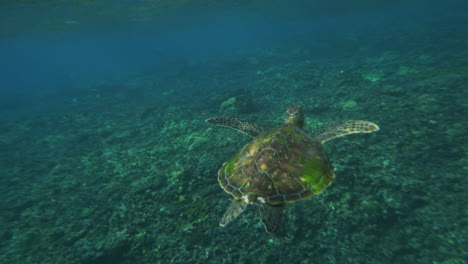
(105, 156)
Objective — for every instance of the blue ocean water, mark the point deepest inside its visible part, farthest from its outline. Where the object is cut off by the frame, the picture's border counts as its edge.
(105, 155)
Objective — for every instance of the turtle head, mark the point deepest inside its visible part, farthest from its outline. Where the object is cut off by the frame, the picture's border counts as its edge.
(294, 116)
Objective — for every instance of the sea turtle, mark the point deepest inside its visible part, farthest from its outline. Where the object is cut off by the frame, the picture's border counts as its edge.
(279, 166)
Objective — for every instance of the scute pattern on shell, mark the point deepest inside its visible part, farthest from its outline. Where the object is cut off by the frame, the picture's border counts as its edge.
(283, 165)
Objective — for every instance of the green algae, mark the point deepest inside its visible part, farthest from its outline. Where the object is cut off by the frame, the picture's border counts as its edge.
(349, 105)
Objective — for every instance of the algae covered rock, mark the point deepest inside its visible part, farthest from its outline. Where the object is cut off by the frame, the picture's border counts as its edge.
(239, 102)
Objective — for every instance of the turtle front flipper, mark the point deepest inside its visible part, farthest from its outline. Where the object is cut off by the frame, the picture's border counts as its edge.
(235, 208)
(346, 128)
(271, 217)
(242, 126)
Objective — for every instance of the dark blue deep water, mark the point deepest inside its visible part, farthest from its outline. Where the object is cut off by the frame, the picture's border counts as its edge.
(105, 155)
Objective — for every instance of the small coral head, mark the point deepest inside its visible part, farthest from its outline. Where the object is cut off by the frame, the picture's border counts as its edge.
(294, 116)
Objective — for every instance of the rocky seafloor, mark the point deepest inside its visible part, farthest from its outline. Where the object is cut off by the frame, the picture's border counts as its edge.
(125, 172)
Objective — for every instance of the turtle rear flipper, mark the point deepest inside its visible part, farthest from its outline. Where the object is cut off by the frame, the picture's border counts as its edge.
(242, 126)
(346, 128)
(271, 217)
(235, 208)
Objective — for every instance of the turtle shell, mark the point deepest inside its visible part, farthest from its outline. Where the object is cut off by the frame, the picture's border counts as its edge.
(283, 165)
